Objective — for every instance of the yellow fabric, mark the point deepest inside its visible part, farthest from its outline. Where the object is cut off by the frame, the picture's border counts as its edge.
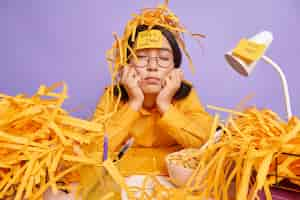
(185, 124)
(139, 160)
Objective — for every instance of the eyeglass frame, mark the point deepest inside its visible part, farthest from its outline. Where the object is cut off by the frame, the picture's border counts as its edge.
(149, 59)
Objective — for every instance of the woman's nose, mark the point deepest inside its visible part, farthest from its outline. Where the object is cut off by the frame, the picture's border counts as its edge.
(152, 64)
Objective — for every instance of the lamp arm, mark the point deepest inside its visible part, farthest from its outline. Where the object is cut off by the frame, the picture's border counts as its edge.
(284, 84)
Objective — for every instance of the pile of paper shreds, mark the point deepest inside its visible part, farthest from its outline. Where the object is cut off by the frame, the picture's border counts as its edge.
(41, 146)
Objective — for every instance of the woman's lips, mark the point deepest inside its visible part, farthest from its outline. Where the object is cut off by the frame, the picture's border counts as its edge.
(152, 80)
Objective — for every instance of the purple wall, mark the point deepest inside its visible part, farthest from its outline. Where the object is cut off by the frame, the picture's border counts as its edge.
(42, 42)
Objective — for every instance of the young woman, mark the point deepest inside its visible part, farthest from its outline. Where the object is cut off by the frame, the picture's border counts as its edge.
(158, 108)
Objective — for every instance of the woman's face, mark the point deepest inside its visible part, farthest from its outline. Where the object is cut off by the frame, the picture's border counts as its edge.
(153, 66)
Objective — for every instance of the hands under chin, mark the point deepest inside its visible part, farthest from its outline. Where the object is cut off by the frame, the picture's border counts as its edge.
(171, 85)
(131, 81)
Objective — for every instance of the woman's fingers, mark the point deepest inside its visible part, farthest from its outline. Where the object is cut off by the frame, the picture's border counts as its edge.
(171, 75)
(177, 79)
(133, 75)
(174, 78)
(130, 74)
(181, 75)
(130, 78)
(124, 74)
(168, 81)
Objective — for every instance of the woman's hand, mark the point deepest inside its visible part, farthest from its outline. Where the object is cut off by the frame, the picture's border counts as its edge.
(171, 85)
(131, 81)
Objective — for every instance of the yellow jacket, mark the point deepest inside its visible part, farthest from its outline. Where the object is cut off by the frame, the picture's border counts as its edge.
(185, 124)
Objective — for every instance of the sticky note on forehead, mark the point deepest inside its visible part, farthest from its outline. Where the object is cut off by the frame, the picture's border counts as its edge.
(149, 39)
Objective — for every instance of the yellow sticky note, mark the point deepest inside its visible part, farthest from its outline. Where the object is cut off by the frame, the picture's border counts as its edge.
(249, 51)
(149, 39)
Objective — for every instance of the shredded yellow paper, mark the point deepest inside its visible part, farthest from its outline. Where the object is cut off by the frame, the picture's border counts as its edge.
(244, 159)
(40, 143)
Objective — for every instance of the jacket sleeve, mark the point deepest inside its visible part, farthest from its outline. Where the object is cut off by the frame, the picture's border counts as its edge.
(187, 121)
(118, 125)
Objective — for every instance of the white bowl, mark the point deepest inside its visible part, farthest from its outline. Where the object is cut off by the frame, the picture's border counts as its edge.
(178, 174)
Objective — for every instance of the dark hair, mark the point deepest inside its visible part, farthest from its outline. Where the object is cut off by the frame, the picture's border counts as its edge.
(185, 88)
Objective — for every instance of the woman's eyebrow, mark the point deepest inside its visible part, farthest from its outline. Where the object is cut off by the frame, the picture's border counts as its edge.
(141, 52)
(166, 49)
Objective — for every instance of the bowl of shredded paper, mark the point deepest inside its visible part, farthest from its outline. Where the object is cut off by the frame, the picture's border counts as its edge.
(181, 165)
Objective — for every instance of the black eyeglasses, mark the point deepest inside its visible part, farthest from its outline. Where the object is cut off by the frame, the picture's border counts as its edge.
(161, 61)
